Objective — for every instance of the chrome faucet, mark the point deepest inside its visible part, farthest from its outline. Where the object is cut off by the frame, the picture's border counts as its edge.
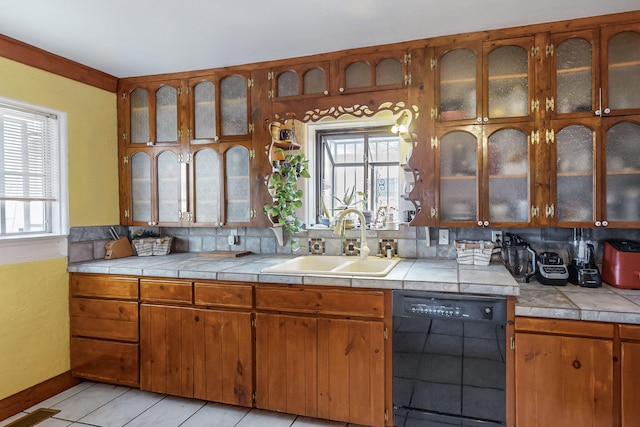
(363, 249)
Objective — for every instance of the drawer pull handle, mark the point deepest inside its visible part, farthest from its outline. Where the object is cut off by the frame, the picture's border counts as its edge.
(576, 364)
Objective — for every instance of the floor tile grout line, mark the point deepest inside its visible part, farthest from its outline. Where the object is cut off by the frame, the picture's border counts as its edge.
(164, 396)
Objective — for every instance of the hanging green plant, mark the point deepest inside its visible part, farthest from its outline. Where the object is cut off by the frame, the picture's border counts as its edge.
(287, 197)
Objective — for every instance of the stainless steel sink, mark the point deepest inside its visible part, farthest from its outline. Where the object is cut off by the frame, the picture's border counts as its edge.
(335, 265)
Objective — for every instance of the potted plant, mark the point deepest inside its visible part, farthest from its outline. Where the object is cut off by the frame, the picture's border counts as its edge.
(287, 197)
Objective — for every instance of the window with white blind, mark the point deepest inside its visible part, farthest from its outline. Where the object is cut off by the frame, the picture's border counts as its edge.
(32, 171)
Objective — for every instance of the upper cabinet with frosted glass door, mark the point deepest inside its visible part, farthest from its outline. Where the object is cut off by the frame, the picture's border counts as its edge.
(300, 81)
(484, 82)
(374, 71)
(620, 70)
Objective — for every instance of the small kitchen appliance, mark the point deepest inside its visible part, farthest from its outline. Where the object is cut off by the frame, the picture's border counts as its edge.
(583, 270)
(549, 269)
(516, 256)
(621, 263)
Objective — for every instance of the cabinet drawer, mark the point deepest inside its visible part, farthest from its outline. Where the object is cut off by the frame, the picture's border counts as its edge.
(115, 320)
(223, 295)
(108, 361)
(166, 291)
(321, 301)
(565, 327)
(95, 285)
(630, 332)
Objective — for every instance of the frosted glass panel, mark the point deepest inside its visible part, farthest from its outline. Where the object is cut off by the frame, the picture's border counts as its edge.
(574, 76)
(508, 82)
(168, 187)
(458, 177)
(204, 94)
(389, 72)
(141, 187)
(624, 70)
(237, 184)
(575, 174)
(315, 81)
(233, 108)
(508, 176)
(458, 85)
(623, 172)
(166, 114)
(288, 84)
(206, 165)
(139, 116)
(358, 74)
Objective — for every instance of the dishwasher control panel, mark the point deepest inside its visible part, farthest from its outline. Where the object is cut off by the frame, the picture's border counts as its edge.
(463, 307)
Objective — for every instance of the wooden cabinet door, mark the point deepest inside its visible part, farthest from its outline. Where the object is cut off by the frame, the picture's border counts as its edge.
(351, 380)
(630, 380)
(562, 381)
(166, 349)
(108, 361)
(223, 357)
(286, 364)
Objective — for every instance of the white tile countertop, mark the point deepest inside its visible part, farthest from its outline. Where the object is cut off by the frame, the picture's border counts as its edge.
(606, 304)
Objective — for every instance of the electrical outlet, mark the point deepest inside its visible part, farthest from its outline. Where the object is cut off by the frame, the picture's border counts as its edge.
(233, 240)
(496, 235)
(443, 236)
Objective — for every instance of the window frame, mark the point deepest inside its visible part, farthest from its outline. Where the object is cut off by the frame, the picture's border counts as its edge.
(16, 248)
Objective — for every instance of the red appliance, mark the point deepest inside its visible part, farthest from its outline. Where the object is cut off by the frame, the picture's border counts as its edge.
(621, 263)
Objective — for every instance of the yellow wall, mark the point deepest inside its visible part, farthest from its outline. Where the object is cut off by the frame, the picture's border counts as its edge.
(34, 319)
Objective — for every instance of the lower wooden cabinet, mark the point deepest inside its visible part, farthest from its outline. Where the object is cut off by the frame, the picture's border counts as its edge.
(564, 373)
(103, 318)
(325, 358)
(630, 375)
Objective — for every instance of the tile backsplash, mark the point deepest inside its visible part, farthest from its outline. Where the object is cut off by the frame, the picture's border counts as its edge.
(87, 243)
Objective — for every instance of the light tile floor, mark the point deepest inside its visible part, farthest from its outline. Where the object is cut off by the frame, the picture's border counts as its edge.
(104, 405)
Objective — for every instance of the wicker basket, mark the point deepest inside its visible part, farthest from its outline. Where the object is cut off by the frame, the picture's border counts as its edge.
(149, 246)
(473, 252)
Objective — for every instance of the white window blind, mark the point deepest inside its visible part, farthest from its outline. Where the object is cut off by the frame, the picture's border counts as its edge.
(29, 170)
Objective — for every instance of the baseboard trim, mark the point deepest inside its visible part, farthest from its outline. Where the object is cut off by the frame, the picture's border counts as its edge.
(39, 392)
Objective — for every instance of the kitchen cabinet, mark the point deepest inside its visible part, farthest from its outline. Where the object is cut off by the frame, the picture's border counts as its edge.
(564, 373)
(300, 81)
(200, 349)
(630, 374)
(321, 352)
(174, 139)
(103, 313)
(485, 174)
(368, 72)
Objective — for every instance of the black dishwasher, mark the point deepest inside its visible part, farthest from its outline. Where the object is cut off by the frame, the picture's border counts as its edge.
(448, 359)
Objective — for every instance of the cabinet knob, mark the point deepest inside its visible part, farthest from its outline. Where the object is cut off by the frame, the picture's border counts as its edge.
(486, 119)
(326, 92)
(607, 110)
(479, 119)
(486, 223)
(479, 223)
(598, 223)
(341, 89)
(605, 223)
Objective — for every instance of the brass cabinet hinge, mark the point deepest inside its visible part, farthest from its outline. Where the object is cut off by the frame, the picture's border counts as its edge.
(535, 211)
(535, 137)
(385, 334)
(270, 94)
(550, 104)
(252, 153)
(250, 83)
(252, 128)
(124, 95)
(270, 75)
(535, 50)
(407, 58)
(550, 136)
(125, 160)
(386, 414)
(124, 136)
(434, 142)
(253, 322)
(189, 133)
(434, 113)
(513, 343)
(254, 396)
(549, 210)
(535, 105)
(549, 49)
(407, 79)
(433, 63)
(126, 213)
(434, 212)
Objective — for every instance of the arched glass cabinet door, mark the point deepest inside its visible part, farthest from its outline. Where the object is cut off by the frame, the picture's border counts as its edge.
(166, 114)
(508, 175)
(457, 85)
(206, 170)
(139, 116)
(288, 84)
(204, 121)
(140, 164)
(459, 175)
(622, 141)
(233, 106)
(237, 185)
(575, 145)
(168, 185)
(622, 71)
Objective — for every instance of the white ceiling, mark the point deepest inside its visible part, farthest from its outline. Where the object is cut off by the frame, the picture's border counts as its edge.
(140, 37)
